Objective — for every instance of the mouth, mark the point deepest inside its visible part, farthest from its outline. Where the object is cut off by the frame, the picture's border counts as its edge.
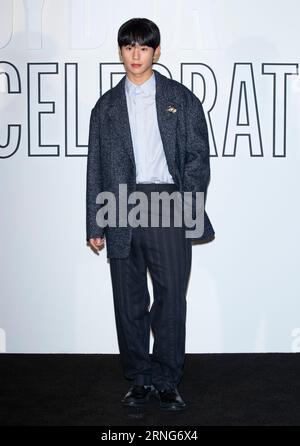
(136, 65)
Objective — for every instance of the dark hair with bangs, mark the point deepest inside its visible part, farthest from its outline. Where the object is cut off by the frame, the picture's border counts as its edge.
(139, 30)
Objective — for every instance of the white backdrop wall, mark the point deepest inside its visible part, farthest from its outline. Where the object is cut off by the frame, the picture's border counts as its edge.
(241, 59)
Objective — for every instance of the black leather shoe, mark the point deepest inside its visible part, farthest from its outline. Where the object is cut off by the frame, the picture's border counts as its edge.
(170, 399)
(138, 395)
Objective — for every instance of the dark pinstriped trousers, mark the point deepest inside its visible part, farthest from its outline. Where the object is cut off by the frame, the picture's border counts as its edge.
(167, 254)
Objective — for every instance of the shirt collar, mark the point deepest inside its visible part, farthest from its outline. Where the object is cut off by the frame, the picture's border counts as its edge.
(147, 87)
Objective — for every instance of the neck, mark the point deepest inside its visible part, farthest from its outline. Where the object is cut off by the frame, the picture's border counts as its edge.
(140, 78)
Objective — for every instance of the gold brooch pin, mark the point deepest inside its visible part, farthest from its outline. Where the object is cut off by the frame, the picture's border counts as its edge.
(171, 109)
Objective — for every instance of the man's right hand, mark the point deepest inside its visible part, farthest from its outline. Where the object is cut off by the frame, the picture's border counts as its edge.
(96, 244)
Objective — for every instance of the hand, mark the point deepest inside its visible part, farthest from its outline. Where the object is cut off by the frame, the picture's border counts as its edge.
(96, 244)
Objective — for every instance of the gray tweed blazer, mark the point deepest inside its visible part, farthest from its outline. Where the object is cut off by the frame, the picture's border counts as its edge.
(110, 160)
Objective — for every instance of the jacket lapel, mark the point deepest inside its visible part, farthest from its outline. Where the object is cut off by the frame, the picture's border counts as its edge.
(167, 120)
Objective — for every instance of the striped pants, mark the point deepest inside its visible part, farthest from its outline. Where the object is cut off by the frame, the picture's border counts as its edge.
(167, 254)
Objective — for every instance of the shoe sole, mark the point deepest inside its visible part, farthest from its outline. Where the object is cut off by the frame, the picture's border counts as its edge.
(172, 408)
(135, 403)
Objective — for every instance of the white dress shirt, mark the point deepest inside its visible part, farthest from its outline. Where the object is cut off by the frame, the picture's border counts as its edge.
(150, 159)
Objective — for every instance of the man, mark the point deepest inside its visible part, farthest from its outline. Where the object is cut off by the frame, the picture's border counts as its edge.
(149, 133)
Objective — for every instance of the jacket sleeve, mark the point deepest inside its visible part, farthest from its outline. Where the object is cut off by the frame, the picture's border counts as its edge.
(197, 157)
(93, 176)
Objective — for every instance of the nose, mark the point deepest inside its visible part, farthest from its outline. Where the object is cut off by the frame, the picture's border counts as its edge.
(136, 53)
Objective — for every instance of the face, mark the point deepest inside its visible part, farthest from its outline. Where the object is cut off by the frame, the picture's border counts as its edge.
(138, 59)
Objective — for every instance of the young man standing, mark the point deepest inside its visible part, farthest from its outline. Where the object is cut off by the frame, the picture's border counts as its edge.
(149, 133)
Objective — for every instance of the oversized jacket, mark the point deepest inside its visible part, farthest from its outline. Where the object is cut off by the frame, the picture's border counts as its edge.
(111, 162)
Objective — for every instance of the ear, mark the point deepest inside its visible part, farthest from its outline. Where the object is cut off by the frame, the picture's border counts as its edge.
(120, 54)
(156, 54)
